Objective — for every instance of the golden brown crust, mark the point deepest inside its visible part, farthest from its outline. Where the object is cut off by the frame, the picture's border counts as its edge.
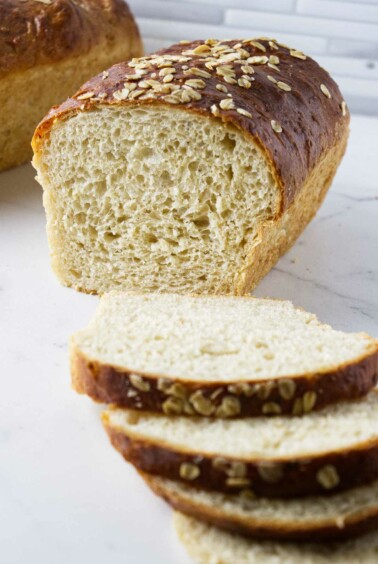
(302, 99)
(286, 395)
(35, 32)
(324, 474)
(276, 237)
(355, 524)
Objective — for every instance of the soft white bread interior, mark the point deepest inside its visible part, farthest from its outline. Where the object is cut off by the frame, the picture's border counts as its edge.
(215, 339)
(309, 517)
(153, 198)
(208, 545)
(335, 428)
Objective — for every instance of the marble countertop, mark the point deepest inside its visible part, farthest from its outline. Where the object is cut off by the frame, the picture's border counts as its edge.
(65, 495)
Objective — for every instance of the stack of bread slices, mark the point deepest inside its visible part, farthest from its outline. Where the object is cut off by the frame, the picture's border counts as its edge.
(256, 422)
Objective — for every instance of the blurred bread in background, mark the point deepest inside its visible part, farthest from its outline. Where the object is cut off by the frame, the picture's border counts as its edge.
(47, 49)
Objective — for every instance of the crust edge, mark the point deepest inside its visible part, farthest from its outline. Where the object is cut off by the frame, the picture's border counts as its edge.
(357, 524)
(279, 477)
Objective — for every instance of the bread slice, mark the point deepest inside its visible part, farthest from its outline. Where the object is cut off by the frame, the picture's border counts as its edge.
(209, 545)
(324, 452)
(218, 356)
(190, 170)
(342, 515)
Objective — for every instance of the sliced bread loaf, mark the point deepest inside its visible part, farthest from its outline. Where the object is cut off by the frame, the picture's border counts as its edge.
(324, 452)
(210, 545)
(191, 170)
(342, 515)
(218, 356)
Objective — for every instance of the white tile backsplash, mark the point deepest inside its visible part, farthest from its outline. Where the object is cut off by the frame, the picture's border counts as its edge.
(348, 48)
(341, 34)
(365, 88)
(331, 9)
(191, 12)
(300, 24)
(263, 5)
(352, 68)
(182, 30)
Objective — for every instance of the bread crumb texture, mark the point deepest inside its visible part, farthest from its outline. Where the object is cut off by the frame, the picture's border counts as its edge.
(217, 339)
(153, 198)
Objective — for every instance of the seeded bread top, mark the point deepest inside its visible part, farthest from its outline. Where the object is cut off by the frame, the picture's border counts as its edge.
(277, 95)
(43, 31)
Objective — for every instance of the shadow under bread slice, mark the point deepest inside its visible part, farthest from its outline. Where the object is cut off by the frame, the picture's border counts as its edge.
(207, 544)
(323, 452)
(218, 357)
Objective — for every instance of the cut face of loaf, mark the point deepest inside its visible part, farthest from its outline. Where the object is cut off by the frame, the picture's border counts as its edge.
(218, 356)
(191, 170)
(158, 199)
(209, 545)
(339, 516)
(323, 452)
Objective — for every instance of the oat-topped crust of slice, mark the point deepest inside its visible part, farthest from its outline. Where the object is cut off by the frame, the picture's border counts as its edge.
(295, 396)
(277, 95)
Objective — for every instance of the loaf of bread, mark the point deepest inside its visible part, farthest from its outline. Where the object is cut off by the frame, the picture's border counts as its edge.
(217, 356)
(190, 170)
(209, 545)
(322, 452)
(339, 516)
(47, 49)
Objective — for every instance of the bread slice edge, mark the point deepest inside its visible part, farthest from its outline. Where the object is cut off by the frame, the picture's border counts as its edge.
(324, 473)
(206, 544)
(346, 526)
(295, 394)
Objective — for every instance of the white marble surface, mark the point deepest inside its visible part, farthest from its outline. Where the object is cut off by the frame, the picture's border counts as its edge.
(65, 495)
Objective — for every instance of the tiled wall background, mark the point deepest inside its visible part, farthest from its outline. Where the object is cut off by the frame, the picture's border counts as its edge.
(341, 34)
